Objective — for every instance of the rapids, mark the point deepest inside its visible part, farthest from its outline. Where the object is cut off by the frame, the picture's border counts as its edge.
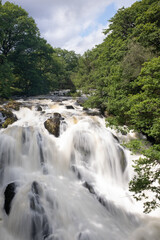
(74, 187)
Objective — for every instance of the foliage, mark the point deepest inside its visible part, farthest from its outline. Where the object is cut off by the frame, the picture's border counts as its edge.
(6, 79)
(145, 183)
(67, 66)
(30, 66)
(145, 105)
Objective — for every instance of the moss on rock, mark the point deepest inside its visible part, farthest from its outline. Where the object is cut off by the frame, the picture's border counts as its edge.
(13, 105)
(9, 117)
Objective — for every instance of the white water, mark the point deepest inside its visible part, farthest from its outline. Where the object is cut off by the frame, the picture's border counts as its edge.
(74, 187)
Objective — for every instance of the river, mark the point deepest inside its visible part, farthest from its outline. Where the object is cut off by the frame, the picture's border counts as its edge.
(71, 187)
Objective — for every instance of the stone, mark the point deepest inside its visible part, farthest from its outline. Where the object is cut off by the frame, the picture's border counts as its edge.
(53, 124)
(8, 116)
(40, 228)
(69, 107)
(123, 161)
(81, 100)
(39, 108)
(13, 105)
(89, 187)
(83, 236)
(9, 194)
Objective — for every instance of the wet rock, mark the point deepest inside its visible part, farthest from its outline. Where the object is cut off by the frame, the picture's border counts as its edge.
(123, 161)
(8, 117)
(13, 105)
(40, 228)
(6, 113)
(39, 108)
(8, 121)
(9, 194)
(93, 112)
(115, 137)
(69, 107)
(89, 187)
(81, 100)
(75, 170)
(83, 236)
(41, 153)
(53, 124)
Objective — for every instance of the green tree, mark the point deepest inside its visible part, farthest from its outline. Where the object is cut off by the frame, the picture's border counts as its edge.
(145, 105)
(67, 66)
(18, 35)
(6, 79)
(147, 29)
(147, 174)
(18, 30)
(29, 59)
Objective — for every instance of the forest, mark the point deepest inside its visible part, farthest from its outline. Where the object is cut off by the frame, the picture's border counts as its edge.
(120, 76)
(28, 64)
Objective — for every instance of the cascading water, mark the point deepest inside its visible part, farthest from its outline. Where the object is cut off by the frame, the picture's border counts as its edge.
(74, 187)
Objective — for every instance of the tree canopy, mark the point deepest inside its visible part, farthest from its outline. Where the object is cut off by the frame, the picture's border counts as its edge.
(28, 64)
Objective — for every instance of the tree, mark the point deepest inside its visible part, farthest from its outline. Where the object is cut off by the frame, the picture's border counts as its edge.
(29, 65)
(67, 66)
(32, 69)
(18, 30)
(132, 62)
(147, 29)
(145, 105)
(145, 184)
(6, 79)
(18, 37)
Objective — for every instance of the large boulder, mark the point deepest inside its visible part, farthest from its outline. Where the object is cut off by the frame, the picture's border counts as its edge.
(9, 194)
(53, 124)
(8, 117)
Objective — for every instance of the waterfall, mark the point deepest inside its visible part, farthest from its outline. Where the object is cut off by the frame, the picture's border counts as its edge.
(71, 187)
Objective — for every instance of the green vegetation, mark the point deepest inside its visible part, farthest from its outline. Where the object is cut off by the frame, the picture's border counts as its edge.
(28, 65)
(147, 174)
(122, 77)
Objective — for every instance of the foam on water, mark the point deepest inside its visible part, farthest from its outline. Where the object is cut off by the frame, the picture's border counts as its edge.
(74, 187)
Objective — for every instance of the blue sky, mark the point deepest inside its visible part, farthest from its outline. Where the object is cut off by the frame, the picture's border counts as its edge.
(72, 24)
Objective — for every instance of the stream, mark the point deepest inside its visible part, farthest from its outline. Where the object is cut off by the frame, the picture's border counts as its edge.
(71, 187)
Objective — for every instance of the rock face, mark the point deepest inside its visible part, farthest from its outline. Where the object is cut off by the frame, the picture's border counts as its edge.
(53, 124)
(9, 194)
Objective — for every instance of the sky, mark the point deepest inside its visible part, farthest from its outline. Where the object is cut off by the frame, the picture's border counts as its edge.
(72, 24)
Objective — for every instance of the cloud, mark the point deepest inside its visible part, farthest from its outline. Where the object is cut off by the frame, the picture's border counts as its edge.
(71, 24)
(80, 44)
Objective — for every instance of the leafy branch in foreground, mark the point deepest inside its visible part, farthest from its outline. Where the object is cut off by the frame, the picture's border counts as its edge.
(146, 183)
